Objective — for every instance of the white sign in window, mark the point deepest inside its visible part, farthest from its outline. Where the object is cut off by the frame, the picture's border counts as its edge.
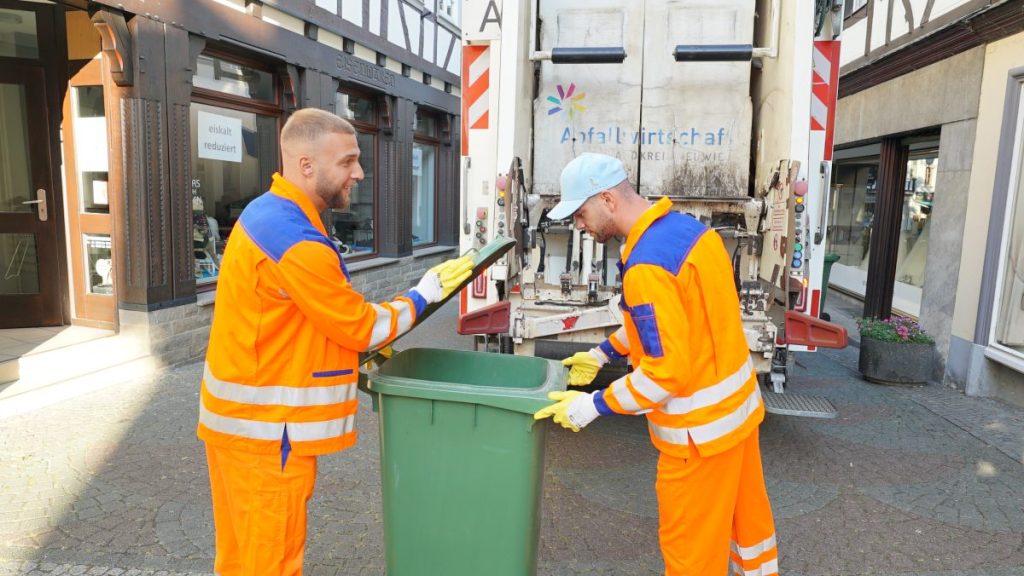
(219, 137)
(417, 162)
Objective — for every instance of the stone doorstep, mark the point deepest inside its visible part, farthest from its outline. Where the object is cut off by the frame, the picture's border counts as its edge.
(30, 399)
(46, 368)
(9, 370)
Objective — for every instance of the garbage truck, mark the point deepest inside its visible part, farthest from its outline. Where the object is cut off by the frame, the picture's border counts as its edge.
(724, 106)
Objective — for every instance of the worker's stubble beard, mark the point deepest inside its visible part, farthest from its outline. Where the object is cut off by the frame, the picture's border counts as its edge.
(332, 194)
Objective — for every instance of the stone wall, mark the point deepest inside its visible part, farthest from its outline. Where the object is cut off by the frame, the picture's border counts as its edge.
(946, 234)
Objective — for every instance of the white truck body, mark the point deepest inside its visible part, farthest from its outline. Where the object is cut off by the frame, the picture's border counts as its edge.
(742, 143)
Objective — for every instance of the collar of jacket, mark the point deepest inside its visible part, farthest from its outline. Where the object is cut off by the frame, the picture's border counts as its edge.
(286, 189)
(659, 209)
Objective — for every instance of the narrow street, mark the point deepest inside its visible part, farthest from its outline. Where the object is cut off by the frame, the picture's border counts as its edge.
(907, 481)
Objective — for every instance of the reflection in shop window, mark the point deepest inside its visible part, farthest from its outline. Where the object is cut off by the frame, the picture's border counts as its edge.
(353, 227)
(234, 154)
(915, 224)
(423, 193)
(856, 189)
(18, 35)
(424, 178)
(90, 133)
(99, 264)
(855, 185)
(1009, 325)
(220, 75)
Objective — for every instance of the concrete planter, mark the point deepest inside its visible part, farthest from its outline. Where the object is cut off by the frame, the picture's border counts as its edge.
(895, 362)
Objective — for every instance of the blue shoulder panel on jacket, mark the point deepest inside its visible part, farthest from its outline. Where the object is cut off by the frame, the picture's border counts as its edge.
(666, 242)
(276, 224)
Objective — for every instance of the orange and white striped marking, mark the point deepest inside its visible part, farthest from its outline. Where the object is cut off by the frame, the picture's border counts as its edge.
(824, 82)
(476, 67)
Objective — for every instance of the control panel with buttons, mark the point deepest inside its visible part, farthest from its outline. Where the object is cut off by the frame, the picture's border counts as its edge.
(799, 233)
(480, 230)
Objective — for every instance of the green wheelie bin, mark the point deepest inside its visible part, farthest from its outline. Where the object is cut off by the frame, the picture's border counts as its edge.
(462, 460)
(826, 271)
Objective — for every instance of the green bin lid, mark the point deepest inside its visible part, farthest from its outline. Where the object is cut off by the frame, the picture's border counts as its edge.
(515, 383)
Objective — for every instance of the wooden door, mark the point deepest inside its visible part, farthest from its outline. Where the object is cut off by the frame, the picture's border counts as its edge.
(88, 200)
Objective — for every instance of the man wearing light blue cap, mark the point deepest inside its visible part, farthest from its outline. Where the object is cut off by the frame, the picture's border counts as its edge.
(586, 175)
(692, 374)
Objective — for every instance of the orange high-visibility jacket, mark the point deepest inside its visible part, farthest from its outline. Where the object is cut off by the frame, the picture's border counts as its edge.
(287, 329)
(692, 374)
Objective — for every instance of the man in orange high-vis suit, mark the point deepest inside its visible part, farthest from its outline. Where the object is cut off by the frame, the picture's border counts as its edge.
(279, 385)
(692, 375)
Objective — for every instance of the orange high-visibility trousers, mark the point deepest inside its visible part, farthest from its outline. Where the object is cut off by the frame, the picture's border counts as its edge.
(714, 514)
(259, 511)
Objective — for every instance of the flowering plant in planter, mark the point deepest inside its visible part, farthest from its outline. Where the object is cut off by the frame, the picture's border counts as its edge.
(896, 329)
(895, 351)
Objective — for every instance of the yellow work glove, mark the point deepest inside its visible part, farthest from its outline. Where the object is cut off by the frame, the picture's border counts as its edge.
(584, 366)
(438, 282)
(452, 273)
(385, 354)
(573, 409)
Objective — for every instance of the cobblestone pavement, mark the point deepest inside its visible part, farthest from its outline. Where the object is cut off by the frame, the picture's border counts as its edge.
(907, 481)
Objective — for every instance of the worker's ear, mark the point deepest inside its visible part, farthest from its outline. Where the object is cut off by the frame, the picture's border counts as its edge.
(306, 165)
(607, 197)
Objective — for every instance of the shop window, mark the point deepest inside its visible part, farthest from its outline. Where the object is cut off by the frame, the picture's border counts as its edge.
(353, 227)
(218, 74)
(424, 178)
(99, 264)
(1009, 309)
(234, 152)
(855, 193)
(90, 133)
(915, 224)
(18, 35)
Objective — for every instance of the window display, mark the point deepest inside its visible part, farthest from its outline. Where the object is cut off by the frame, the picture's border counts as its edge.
(234, 121)
(854, 198)
(99, 264)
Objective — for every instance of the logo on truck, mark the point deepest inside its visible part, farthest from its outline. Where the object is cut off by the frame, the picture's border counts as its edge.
(566, 101)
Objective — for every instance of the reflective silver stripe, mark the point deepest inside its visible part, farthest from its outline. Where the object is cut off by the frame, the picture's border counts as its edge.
(712, 394)
(310, 431)
(673, 435)
(624, 396)
(646, 386)
(728, 423)
(277, 395)
(751, 552)
(622, 338)
(381, 326)
(769, 568)
(713, 430)
(734, 568)
(405, 314)
(237, 427)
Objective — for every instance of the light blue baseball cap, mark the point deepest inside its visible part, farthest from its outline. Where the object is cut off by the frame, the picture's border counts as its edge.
(586, 175)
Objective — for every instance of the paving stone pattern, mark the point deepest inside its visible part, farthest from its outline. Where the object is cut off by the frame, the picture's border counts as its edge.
(906, 482)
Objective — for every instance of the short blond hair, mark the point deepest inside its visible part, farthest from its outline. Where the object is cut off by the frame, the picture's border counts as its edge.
(309, 125)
